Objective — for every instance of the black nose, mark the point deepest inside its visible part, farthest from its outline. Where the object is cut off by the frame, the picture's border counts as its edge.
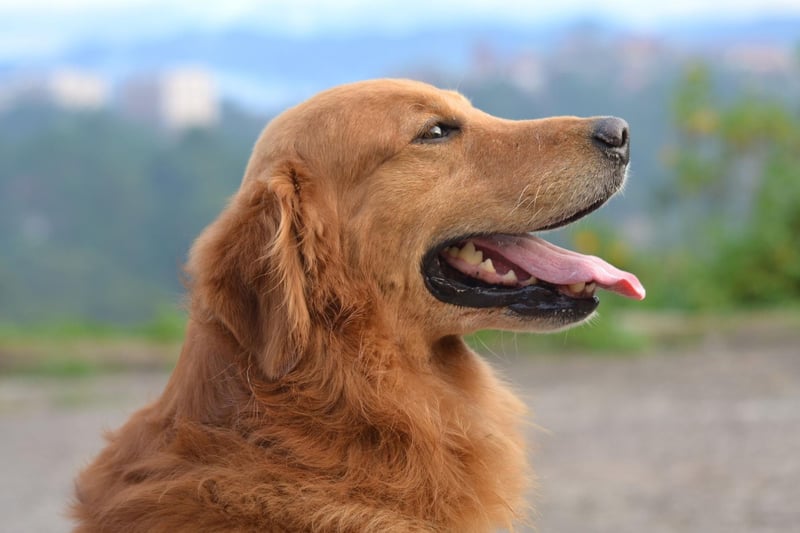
(611, 135)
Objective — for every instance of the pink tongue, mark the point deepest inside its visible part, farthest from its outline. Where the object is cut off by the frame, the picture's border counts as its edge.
(558, 266)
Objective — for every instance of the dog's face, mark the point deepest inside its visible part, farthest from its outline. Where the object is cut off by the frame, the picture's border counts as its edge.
(436, 201)
(427, 204)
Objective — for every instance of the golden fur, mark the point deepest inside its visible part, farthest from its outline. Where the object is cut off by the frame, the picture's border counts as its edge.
(320, 386)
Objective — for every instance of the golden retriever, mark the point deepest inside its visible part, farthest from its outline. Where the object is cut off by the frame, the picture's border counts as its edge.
(323, 384)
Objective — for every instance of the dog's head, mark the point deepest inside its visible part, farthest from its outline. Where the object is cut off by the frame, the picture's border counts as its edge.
(403, 199)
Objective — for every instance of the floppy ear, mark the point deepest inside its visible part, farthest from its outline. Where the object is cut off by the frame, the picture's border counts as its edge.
(254, 268)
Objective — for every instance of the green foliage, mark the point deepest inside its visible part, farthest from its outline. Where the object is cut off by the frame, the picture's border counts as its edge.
(692, 103)
(61, 367)
(738, 163)
(97, 214)
(58, 331)
(166, 326)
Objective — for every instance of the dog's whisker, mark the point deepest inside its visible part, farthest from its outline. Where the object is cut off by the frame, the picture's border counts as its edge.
(520, 199)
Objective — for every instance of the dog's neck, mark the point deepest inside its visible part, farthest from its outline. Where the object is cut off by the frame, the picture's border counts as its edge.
(424, 415)
(214, 371)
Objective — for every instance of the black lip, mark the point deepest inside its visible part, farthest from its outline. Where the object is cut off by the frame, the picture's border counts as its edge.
(541, 300)
(534, 301)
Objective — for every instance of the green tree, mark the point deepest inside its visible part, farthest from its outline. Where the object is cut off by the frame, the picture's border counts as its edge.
(738, 163)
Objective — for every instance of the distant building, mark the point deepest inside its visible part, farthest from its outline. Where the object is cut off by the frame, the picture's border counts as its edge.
(175, 100)
(189, 99)
(527, 71)
(641, 60)
(76, 89)
(64, 87)
(760, 59)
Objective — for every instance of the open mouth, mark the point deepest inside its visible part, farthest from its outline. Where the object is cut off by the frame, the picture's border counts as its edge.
(523, 273)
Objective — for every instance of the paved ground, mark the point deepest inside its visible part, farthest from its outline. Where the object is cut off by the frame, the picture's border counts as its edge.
(704, 441)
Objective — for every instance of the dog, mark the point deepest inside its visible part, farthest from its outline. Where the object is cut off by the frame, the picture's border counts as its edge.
(323, 384)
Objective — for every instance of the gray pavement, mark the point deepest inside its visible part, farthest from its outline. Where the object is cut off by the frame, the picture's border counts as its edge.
(702, 441)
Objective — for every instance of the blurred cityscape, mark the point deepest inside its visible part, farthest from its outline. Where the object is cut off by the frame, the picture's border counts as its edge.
(114, 155)
(180, 82)
(176, 99)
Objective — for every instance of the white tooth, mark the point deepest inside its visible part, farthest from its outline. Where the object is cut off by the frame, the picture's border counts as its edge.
(469, 254)
(488, 266)
(530, 281)
(577, 288)
(510, 277)
(590, 287)
(452, 251)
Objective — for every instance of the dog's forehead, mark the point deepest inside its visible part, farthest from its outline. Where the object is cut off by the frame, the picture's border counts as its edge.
(390, 112)
(437, 101)
(393, 96)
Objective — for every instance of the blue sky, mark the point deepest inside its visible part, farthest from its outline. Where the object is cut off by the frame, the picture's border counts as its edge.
(39, 27)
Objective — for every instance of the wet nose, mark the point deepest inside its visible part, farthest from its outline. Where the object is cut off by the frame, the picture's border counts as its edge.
(611, 135)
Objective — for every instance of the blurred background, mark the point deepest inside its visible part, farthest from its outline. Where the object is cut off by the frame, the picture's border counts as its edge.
(125, 126)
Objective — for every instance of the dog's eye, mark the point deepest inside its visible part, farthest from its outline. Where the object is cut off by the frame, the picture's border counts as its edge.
(437, 132)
